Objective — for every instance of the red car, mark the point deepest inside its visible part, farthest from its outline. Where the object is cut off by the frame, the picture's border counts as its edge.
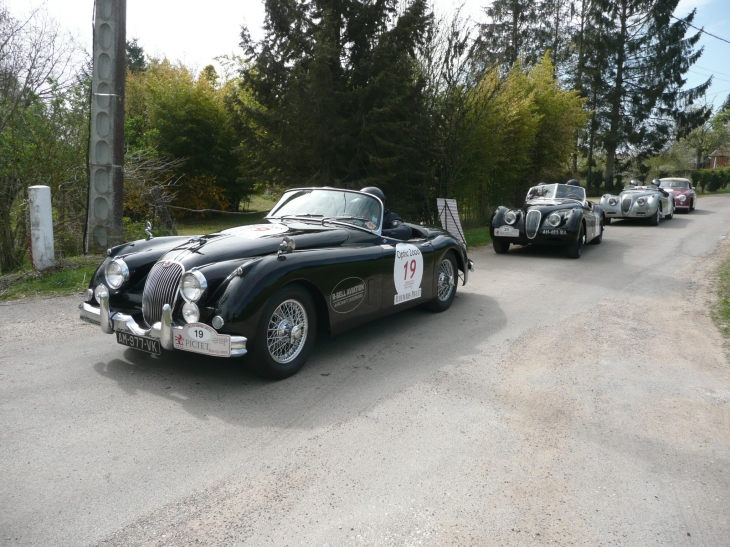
(685, 197)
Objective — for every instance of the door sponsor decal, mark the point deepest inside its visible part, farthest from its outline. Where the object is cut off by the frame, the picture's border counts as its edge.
(348, 294)
(407, 273)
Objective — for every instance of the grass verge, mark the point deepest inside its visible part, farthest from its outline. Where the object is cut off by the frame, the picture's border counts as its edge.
(477, 237)
(70, 276)
(722, 312)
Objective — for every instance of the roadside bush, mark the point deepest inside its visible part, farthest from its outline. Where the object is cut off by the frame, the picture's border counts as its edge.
(711, 179)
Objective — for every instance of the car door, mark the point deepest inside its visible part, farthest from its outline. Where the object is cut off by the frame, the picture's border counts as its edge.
(351, 282)
(592, 224)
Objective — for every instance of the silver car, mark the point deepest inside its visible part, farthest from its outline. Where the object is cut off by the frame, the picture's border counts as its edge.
(636, 201)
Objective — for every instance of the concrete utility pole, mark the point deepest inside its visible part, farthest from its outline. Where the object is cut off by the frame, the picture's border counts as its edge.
(106, 182)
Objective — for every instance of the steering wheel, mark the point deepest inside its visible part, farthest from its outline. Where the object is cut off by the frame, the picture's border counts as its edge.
(575, 196)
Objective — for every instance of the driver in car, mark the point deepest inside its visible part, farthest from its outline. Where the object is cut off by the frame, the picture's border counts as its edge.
(393, 225)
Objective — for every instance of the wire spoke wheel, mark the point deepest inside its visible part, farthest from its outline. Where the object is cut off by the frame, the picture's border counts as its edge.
(446, 280)
(287, 331)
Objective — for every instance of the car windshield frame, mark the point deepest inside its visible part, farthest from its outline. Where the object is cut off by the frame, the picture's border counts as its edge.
(317, 212)
(551, 192)
(671, 183)
(648, 187)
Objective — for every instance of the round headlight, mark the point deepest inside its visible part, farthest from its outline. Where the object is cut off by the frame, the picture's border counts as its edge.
(554, 219)
(117, 273)
(682, 198)
(640, 201)
(190, 312)
(192, 286)
(612, 201)
(510, 217)
(100, 288)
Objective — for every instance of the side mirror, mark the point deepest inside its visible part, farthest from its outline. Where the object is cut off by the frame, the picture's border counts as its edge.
(286, 246)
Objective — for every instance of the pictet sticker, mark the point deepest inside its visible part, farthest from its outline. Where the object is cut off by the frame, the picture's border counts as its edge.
(407, 273)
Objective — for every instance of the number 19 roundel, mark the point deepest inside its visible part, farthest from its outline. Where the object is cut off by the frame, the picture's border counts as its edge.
(407, 273)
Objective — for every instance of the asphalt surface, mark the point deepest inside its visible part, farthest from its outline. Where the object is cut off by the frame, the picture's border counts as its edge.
(558, 402)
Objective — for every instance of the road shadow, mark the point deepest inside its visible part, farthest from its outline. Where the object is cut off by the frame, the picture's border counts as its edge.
(549, 252)
(344, 374)
(700, 212)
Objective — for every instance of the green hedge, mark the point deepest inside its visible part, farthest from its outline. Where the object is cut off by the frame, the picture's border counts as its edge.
(711, 179)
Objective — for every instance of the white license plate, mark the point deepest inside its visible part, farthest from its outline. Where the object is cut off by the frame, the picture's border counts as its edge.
(200, 338)
(554, 232)
(507, 231)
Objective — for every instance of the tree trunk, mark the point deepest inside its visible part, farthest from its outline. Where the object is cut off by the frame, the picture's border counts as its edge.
(616, 99)
(164, 212)
(579, 74)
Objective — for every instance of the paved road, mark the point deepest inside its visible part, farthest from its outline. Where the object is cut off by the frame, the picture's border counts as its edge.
(559, 402)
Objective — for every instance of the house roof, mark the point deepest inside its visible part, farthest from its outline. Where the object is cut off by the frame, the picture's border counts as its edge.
(722, 152)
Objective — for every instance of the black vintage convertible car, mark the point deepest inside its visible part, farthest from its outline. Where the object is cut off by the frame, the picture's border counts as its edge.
(553, 214)
(320, 261)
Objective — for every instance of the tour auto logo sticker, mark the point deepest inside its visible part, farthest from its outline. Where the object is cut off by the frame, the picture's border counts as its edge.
(348, 295)
(407, 273)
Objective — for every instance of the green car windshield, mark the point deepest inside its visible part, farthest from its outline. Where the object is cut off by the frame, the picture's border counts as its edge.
(345, 206)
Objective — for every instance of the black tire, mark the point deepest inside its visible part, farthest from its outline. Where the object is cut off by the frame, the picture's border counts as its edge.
(654, 219)
(576, 249)
(671, 216)
(691, 206)
(500, 247)
(444, 289)
(296, 301)
(597, 240)
(607, 221)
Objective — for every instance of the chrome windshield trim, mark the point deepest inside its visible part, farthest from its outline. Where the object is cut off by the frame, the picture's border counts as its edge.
(377, 232)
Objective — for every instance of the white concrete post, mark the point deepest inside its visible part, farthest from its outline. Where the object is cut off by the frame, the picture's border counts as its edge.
(41, 227)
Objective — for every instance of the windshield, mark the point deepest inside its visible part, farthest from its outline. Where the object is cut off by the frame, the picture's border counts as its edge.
(556, 191)
(674, 183)
(346, 206)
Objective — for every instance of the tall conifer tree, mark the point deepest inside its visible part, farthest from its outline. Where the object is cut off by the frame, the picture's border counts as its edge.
(646, 55)
(341, 96)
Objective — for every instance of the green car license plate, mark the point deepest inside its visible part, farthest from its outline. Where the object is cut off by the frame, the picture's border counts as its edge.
(150, 345)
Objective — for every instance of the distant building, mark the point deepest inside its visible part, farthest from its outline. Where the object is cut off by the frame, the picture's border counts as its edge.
(719, 158)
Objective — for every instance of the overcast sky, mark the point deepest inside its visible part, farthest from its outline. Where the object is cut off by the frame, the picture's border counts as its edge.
(196, 31)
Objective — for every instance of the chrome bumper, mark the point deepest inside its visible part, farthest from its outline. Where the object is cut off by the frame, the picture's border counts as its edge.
(469, 268)
(163, 330)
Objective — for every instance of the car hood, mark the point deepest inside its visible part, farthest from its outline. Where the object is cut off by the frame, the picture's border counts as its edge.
(253, 240)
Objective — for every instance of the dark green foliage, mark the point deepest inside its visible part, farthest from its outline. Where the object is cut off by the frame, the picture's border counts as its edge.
(513, 33)
(136, 60)
(711, 179)
(340, 98)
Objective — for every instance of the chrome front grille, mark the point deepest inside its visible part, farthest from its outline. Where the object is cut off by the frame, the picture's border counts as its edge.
(626, 204)
(161, 288)
(532, 222)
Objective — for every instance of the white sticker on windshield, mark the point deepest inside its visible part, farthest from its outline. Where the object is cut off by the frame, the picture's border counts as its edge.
(407, 273)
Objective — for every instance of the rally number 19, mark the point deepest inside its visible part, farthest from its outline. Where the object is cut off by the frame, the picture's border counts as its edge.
(409, 265)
